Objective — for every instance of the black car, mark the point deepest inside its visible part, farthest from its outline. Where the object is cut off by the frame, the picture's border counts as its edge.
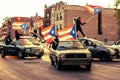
(98, 49)
(22, 48)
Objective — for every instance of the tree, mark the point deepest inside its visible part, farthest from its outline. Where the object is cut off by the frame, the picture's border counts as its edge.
(117, 5)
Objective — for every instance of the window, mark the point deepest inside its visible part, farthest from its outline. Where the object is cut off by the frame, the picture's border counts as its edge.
(60, 16)
(56, 16)
(48, 16)
(60, 26)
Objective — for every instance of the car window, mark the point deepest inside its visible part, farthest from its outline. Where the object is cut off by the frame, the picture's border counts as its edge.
(70, 45)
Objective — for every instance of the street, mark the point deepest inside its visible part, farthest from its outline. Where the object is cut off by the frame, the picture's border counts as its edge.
(30, 68)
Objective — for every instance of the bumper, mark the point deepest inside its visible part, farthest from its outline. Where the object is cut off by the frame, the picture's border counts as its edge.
(76, 62)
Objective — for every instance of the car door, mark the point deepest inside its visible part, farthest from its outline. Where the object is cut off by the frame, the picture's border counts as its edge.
(11, 48)
(91, 46)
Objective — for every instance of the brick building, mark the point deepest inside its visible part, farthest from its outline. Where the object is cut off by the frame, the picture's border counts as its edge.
(10, 24)
(63, 14)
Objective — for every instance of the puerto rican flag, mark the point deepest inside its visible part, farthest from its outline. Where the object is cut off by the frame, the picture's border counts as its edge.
(49, 32)
(68, 33)
(40, 23)
(93, 9)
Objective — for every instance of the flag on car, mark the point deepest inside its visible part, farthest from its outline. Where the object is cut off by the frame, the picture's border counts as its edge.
(68, 33)
(49, 32)
(93, 9)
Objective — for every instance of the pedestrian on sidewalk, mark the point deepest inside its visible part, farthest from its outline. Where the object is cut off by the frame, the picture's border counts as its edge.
(78, 26)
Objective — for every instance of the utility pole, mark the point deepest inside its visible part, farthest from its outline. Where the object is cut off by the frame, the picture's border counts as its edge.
(100, 23)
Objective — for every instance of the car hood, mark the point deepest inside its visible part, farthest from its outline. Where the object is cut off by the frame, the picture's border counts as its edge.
(75, 51)
(113, 46)
(30, 46)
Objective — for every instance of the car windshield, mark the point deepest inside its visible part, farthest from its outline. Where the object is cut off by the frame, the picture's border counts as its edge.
(34, 41)
(23, 42)
(70, 45)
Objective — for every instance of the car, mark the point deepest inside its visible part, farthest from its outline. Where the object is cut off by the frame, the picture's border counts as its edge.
(117, 45)
(70, 53)
(2, 43)
(37, 42)
(21, 48)
(98, 49)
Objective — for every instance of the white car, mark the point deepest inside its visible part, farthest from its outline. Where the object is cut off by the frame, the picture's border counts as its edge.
(117, 45)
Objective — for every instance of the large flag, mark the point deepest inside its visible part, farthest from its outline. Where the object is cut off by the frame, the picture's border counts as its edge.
(49, 32)
(93, 9)
(68, 33)
(40, 23)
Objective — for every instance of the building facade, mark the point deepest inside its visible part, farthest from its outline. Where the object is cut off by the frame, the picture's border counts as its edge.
(62, 15)
(10, 24)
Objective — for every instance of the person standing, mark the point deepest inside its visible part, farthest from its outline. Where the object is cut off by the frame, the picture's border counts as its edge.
(8, 39)
(78, 26)
(17, 35)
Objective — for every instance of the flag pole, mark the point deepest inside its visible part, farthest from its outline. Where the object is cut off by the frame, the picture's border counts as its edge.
(89, 18)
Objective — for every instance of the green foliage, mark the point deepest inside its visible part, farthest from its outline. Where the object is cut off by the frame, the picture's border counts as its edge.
(117, 4)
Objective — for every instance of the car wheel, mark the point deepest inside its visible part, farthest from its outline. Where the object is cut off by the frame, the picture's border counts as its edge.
(52, 62)
(20, 55)
(117, 54)
(88, 67)
(104, 57)
(40, 55)
(58, 65)
(2, 54)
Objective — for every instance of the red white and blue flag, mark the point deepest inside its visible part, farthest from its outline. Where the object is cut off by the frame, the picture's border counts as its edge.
(93, 9)
(40, 23)
(49, 32)
(23, 26)
(68, 33)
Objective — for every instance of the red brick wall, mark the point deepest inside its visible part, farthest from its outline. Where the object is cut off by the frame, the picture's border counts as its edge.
(109, 23)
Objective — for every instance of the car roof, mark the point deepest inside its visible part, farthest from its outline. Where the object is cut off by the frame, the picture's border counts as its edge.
(69, 40)
(88, 39)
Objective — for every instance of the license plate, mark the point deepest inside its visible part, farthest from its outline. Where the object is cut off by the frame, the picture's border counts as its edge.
(36, 53)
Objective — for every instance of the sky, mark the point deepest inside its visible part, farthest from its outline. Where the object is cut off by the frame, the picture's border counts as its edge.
(27, 8)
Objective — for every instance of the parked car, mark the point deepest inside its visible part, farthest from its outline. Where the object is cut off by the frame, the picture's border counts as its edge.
(98, 49)
(22, 48)
(117, 45)
(70, 52)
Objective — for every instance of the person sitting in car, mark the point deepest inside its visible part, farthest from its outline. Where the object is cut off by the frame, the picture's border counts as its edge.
(54, 42)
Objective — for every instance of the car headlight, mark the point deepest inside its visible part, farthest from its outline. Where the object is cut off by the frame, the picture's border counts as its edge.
(89, 55)
(62, 55)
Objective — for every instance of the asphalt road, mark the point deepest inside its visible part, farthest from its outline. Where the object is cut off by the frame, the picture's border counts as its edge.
(12, 68)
